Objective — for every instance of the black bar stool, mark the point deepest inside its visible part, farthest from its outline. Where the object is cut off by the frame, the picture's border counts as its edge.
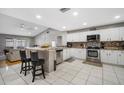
(36, 62)
(25, 66)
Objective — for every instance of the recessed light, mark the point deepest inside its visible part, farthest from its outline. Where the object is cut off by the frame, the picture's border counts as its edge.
(35, 28)
(38, 16)
(29, 33)
(84, 23)
(117, 17)
(75, 13)
(64, 27)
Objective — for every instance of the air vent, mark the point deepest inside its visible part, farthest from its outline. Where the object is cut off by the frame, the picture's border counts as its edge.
(92, 29)
(63, 10)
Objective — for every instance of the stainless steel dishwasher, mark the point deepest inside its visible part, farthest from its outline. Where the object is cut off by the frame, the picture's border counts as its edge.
(59, 56)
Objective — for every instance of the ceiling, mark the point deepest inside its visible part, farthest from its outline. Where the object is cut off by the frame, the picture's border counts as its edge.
(53, 18)
(14, 26)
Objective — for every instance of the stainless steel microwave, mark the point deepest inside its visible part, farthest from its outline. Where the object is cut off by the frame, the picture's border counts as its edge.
(93, 37)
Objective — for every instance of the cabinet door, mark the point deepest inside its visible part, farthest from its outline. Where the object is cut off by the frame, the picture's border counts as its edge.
(104, 56)
(64, 54)
(83, 36)
(84, 54)
(112, 56)
(69, 37)
(78, 53)
(120, 57)
(73, 52)
(67, 53)
(105, 35)
(114, 34)
(121, 33)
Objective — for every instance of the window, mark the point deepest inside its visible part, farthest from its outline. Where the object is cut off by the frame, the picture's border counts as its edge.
(9, 43)
(15, 43)
(20, 43)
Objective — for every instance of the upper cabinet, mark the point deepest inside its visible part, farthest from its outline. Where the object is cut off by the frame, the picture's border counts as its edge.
(77, 37)
(113, 34)
(121, 33)
(82, 36)
(109, 35)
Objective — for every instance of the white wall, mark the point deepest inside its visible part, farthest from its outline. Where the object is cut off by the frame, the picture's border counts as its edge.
(50, 35)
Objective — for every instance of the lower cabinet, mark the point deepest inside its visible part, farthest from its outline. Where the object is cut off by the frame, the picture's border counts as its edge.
(107, 56)
(120, 57)
(112, 57)
(74, 52)
(66, 53)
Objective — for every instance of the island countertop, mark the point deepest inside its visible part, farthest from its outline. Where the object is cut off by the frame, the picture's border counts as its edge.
(48, 54)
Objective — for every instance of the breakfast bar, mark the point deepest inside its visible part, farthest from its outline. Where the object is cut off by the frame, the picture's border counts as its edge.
(48, 54)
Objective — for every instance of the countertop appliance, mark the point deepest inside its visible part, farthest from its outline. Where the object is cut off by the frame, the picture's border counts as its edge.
(93, 38)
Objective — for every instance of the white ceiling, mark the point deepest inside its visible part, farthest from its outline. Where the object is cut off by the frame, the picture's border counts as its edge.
(10, 25)
(53, 18)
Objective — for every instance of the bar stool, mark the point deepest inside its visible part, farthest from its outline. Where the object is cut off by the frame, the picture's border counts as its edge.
(25, 66)
(36, 62)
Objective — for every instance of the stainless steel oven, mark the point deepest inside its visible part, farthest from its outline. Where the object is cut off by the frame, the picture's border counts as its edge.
(93, 53)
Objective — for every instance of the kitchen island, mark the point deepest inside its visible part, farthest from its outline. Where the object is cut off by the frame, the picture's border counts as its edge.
(48, 54)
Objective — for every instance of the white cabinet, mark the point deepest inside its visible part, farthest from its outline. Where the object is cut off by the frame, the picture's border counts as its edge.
(82, 36)
(120, 58)
(83, 54)
(78, 53)
(64, 54)
(74, 52)
(113, 34)
(112, 57)
(121, 34)
(106, 35)
(109, 56)
(67, 53)
(77, 37)
(104, 56)
(69, 37)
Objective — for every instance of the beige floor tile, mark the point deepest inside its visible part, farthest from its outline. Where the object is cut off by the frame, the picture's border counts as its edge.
(39, 82)
(78, 81)
(94, 80)
(16, 82)
(82, 75)
(60, 82)
(67, 77)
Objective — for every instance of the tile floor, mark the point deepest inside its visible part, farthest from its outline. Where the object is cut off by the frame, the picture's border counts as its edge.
(74, 73)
